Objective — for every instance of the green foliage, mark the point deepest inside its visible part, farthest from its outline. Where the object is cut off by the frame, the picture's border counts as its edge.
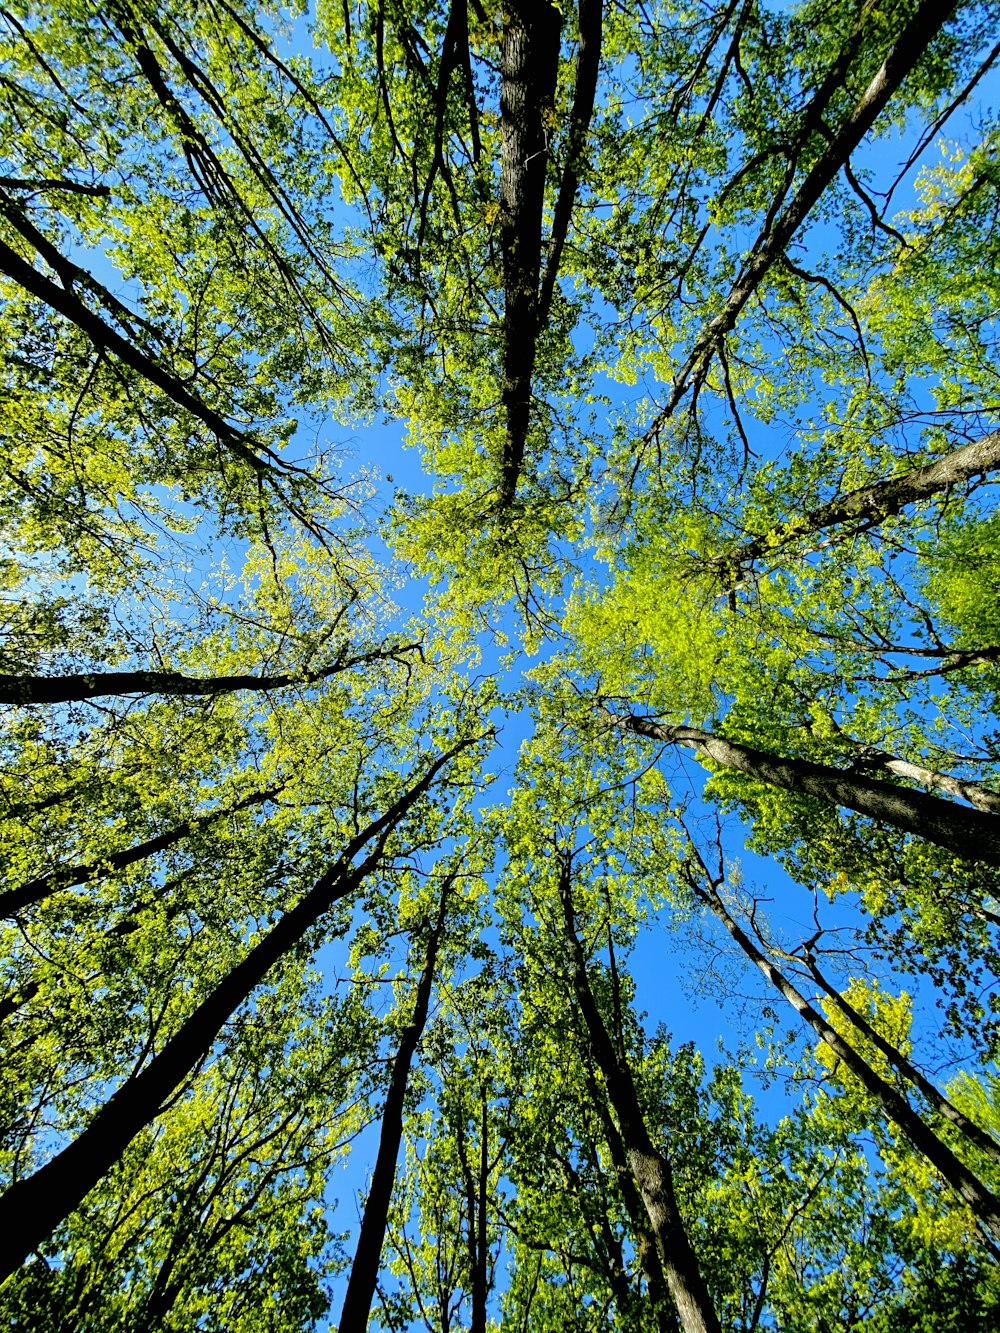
(231, 232)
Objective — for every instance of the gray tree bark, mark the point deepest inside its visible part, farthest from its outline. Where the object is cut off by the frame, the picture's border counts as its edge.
(650, 1170)
(971, 834)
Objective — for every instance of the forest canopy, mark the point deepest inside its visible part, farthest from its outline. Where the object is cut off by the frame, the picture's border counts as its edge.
(558, 887)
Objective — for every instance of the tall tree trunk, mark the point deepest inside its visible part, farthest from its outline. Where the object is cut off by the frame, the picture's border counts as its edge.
(31, 1208)
(971, 834)
(973, 792)
(867, 505)
(471, 1216)
(101, 684)
(651, 1171)
(770, 245)
(983, 1204)
(588, 63)
(649, 1259)
(367, 1257)
(480, 1276)
(476, 1210)
(946, 1109)
(529, 67)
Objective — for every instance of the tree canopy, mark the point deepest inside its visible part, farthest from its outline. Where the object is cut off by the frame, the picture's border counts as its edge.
(359, 835)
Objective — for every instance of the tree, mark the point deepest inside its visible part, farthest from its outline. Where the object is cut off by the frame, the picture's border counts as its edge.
(367, 1258)
(43, 1199)
(692, 316)
(221, 1196)
(650, 1170)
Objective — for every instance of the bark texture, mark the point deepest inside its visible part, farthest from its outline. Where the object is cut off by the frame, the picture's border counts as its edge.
(529, 68)
(973, 792)
(650, 1170)
(972, 834)
(646, 1251)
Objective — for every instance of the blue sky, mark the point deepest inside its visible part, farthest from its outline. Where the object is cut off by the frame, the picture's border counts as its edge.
(703, 992)
(700, 992)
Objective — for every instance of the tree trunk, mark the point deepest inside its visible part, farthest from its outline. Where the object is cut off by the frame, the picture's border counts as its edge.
(868, 505)
(31, 1208)
(973, 792)
(471, 1217)
(649, 1259)
(476, 1209)
(100, 684)
(480, 1276)
(898, 1060)
(10, 1004)
(770, 245)
(588, 62)
(529, 69)
(971, 834)
(364, 1271)
(896, 1108)
(651, 1171)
